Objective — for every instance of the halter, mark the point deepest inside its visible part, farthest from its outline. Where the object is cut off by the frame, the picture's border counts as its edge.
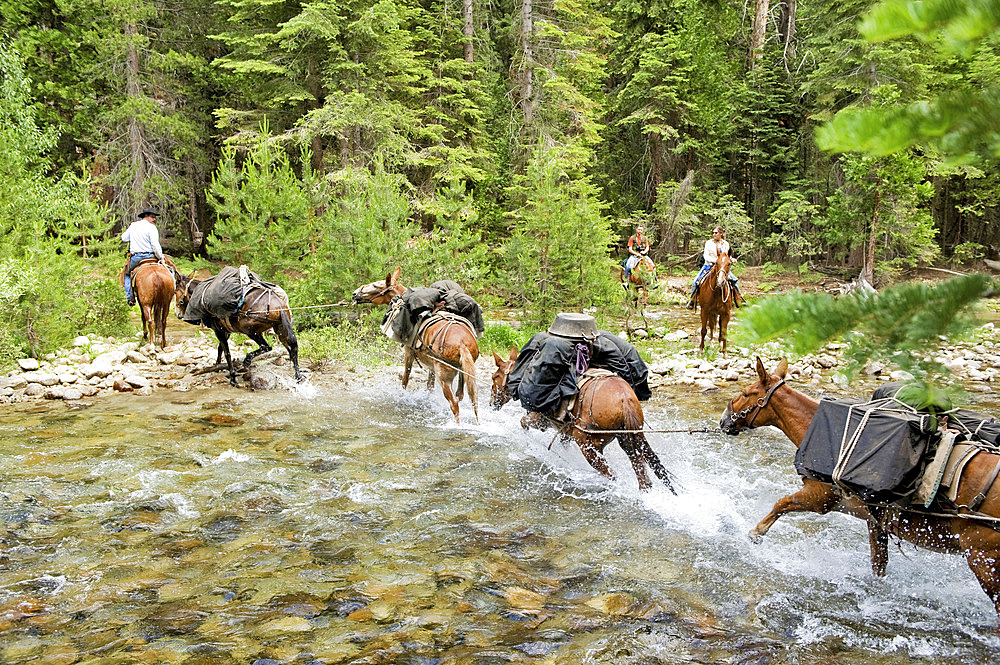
(756, 406)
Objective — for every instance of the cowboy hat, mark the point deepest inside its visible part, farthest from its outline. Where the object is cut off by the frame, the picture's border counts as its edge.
(149, 211)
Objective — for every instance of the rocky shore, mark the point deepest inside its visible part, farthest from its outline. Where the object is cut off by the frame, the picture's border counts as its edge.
(96, 366)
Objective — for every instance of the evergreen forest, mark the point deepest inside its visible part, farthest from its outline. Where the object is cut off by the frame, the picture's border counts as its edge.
(510, 146)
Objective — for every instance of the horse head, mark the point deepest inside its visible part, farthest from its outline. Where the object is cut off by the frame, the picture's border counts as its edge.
(380, 292)
(182, 292)
(500, 395)
(752, 407)
(723, 263)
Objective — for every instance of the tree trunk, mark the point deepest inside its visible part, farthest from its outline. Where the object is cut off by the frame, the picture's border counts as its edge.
(787, 27)
(135, 132)
(467, 29)
(655, 166)
(527, 62)
(758, 31)
(869, 266)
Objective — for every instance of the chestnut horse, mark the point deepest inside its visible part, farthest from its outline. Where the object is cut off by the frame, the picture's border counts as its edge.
(450, 350)
(642, 277)
(715, 295)
(263, 309)
(153, 284)
(606, 403)
(769, 401)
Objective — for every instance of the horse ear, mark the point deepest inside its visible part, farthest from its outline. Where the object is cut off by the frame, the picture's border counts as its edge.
(497, 359)
(513, 353)
(761, 372)
(394, 277)
(193, 273)
(782, 369)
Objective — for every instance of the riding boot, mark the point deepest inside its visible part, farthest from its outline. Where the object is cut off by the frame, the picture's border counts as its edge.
(691, 303)
(737, 296)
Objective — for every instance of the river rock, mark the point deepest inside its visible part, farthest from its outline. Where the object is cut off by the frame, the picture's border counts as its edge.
(15, 382)
(28, 364)
(137, 381)
(82, 340)
(826, 361)
(168, 358)
(135, 357)
(122, 386)
(72, 393)
(67, 379)
(34, 390)
(55, 392)
(96, 369)
(705, 385)
(6, 392)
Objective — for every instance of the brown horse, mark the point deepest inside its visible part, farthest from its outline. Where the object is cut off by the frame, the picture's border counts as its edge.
(153, 284)
(263, 309)
(606, 408)
(450, 350)
(769, 401)
(715, 295)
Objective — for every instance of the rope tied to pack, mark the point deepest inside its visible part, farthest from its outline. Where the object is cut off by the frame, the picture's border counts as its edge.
(582, 358)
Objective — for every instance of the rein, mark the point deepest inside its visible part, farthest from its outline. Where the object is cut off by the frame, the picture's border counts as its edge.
(756, 406)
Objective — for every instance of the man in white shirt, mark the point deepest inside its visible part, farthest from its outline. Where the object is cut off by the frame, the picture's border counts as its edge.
(143, 243)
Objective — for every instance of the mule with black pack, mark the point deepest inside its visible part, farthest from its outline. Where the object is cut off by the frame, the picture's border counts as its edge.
(921, 472)
(237, 301)
(438, 326)
(587, 383)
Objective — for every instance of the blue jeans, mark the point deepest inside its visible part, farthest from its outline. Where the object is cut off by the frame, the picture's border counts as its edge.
(133, 261)
(701, 275)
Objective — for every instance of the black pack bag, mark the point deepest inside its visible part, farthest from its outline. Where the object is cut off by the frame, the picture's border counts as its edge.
(883, 447)
(546, 368)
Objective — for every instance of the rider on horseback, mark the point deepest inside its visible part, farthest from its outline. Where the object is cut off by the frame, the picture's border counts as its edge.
(714, 246)
(638, 247)
(143, 243)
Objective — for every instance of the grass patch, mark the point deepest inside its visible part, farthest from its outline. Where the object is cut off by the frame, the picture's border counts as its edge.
(357, 343)
(499, 337)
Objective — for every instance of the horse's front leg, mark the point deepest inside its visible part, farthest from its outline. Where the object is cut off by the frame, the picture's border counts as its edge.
(407, 365)
(723, 328)
(815, 497)
(224, 348)
(593, 451)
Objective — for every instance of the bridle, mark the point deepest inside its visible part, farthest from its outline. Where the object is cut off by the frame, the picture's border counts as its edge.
(387, 288)
(755, 407)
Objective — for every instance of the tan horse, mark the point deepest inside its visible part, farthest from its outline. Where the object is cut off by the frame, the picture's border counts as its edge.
(450, 350)
(604, 404)
(769, 401)
(264, 309)
(153, 284)
(715, 295)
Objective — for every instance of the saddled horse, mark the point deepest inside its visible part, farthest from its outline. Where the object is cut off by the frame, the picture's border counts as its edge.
(951, 529)
(263, 309)
(449, 349)
(153, 284)
(715, 295)
(606, 408)
(642, 278)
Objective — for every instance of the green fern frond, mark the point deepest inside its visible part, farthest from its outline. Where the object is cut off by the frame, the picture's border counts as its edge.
(903, 324)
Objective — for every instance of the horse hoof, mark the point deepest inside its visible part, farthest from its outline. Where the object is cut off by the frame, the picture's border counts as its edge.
(756, 537)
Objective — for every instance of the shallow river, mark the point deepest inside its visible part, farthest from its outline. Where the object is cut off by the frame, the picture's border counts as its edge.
(364, 526)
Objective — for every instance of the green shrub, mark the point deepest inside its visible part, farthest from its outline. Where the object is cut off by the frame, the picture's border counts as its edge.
(499, 337)
(357, 343)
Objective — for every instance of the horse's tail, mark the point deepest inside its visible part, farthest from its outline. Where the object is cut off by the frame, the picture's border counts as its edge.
(468, 375)
(633, 421)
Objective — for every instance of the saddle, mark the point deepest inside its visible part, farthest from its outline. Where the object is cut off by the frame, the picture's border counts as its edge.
(417, 341)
